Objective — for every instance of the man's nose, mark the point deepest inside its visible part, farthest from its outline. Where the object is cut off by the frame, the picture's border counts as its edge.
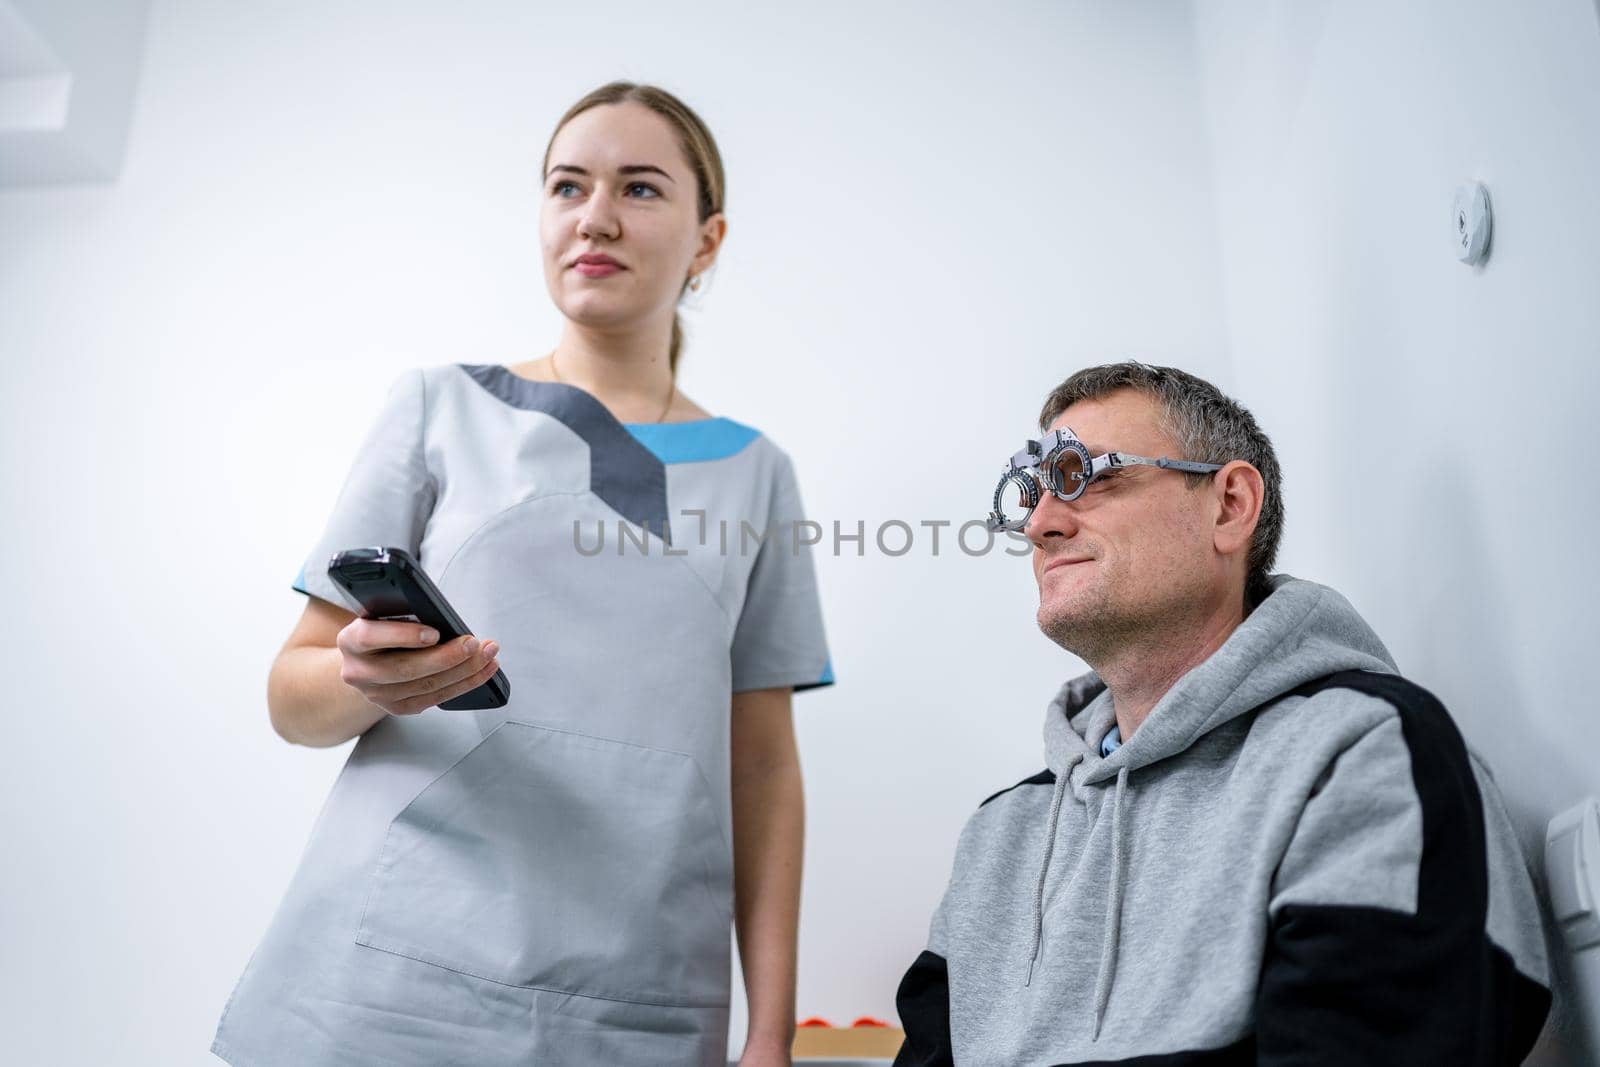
(1053, 517)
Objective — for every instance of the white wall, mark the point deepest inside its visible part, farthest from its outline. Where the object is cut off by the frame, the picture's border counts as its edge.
(68, 72)
(1435, 420)
(935, 217)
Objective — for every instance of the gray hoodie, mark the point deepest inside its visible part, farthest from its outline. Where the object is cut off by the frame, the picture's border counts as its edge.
(1294, 859)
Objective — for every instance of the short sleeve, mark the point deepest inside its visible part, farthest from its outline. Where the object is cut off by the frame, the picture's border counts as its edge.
(387, 496)
(779, 640)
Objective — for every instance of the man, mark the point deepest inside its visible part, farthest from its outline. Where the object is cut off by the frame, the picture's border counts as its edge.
(1254, 842)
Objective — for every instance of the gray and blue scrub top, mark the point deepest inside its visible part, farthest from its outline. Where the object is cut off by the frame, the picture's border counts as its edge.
(549, 882)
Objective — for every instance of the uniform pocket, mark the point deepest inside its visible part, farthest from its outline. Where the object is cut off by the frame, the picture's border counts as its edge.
(555, 860)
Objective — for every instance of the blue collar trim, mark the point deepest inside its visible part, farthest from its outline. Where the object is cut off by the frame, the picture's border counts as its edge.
(693, 442)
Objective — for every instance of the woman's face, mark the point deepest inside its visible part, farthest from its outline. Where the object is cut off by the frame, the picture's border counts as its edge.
(619, 224)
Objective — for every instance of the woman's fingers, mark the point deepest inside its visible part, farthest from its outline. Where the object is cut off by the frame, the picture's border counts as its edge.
(449, 684)
(390, 664)
(397, 666)
(432, 682)
(365, 636)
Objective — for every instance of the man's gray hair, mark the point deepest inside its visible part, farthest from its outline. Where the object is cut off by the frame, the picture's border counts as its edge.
(1208, 426)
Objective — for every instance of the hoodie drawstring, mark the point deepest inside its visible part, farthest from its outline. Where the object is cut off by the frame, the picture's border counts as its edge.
(1112, 930)
(1044, 866)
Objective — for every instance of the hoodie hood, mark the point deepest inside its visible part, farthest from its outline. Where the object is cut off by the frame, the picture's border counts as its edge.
(1301, 632)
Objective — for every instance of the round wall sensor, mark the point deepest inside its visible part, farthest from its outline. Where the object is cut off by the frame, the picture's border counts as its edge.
(1472, 222)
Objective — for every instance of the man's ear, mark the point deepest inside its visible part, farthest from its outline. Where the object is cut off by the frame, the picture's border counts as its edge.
(1238, 489)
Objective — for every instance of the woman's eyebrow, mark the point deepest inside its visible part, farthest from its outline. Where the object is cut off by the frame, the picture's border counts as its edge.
(645, 168)
(626, 169)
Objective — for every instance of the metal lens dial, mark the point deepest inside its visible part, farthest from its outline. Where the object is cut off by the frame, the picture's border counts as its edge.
(1066, 469)
(1014, 500)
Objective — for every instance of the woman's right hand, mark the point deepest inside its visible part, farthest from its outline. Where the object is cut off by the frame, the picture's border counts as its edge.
(399, 667)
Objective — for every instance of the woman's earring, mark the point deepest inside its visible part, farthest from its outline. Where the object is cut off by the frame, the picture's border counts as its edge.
(694, 282)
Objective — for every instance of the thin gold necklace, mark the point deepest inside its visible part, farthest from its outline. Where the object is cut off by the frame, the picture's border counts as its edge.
(672, 388)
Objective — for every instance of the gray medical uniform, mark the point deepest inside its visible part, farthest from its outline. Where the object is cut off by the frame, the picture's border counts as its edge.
(549, 882)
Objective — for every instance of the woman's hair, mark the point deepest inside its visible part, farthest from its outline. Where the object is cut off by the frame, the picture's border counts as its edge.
(698, 146)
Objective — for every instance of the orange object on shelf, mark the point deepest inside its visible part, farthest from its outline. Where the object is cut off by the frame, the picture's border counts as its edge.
(867, 1020)
(815, 1020)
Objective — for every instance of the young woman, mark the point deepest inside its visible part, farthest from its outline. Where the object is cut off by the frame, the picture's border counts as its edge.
(553, 882)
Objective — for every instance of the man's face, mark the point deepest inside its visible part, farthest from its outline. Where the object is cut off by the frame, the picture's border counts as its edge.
(1133, 554)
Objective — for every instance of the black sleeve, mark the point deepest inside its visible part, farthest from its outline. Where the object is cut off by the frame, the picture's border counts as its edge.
(1347, 984)
(1373, 987)
(924, 1004)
